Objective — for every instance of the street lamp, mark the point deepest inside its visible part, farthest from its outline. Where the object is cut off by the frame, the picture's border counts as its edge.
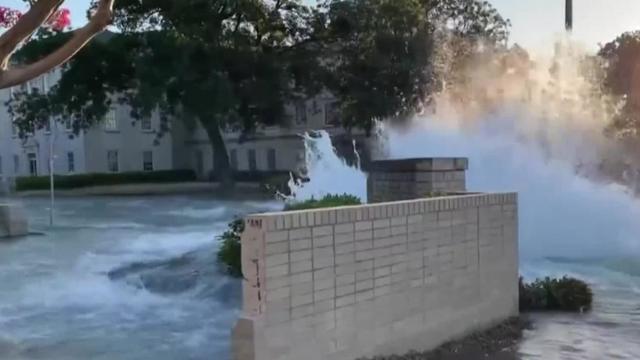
(568, 15)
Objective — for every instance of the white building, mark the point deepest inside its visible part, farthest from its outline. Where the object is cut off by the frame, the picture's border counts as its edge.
(121, 144)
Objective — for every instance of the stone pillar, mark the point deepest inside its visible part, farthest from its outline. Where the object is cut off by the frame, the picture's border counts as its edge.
(13, 221)
(406, 179)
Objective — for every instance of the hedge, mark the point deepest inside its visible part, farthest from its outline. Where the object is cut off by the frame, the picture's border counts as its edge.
(564, 294)
(229, 255)
(97, 179)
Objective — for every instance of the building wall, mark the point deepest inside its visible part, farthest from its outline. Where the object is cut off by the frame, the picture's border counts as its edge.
(130, 141)
(339, 284)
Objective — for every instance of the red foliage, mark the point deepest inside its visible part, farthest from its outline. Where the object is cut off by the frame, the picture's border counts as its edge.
(60, 20)
(8, 17)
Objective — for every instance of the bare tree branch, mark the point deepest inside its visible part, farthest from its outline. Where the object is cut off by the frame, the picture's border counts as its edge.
(98, 22)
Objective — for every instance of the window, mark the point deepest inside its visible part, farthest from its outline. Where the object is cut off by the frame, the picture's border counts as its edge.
(301, 112)
(331, 114)
(110, 120)
(233, 159)
(271, 159)
(71, 162)
(33, 164)
(112, 161)
(147, 161)
(145, 124)
(252, 160)
(16, 164)
(47, 126)
(67, 124)
(0, 165)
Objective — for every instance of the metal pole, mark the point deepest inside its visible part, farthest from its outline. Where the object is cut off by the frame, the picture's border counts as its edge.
(568, 15)
(51, 170)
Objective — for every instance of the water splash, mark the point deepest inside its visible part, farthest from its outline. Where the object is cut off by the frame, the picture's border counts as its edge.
(327, 172)
(532, 127)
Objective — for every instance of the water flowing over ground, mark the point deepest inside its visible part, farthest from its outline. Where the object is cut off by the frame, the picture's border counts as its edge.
(120, 278)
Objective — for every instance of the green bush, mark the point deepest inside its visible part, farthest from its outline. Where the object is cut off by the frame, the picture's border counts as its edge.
(565, 294)
(229, 254)
(97, 179)
(230, 250)
(327, 201)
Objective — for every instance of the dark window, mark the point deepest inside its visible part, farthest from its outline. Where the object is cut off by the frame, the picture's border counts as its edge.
(147, 161)
(112, 161)
(71, 162)
(145, 123)
(271, 159)
(252, 160)
(301, 112)
(16, 164)
(233, 159)
(331, 114)
(33, 164)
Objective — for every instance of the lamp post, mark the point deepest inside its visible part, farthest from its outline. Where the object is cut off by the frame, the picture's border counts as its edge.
(51, 158)
(568, 15)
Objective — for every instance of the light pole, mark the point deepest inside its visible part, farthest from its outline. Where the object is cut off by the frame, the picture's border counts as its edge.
(51, 170)
(568, 15)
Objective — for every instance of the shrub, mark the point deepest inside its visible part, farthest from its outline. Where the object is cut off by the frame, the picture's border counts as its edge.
(229, 254)
(230, 251)
(565, 294)
(97, 179)
(326, 202)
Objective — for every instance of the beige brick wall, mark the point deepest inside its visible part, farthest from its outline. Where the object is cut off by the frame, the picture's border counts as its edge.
(376, 279)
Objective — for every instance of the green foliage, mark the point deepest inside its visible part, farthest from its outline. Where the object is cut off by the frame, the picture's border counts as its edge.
(85, 180)
(328, 201)
(230, 250)
(565, 294)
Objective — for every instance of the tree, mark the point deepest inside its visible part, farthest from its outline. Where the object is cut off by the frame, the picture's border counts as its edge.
(219, 63)
(22, 27)
(385, 55)
(622, 80)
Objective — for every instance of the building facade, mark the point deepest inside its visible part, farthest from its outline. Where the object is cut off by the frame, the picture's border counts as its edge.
(122, 144)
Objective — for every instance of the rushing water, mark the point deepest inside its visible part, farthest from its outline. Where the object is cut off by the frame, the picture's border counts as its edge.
(120, 278)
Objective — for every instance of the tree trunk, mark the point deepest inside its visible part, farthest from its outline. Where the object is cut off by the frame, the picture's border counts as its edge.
(221, 165)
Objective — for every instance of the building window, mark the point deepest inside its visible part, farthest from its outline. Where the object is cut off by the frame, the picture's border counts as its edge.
(33, 164)
(71, 162)
(67, 124)
(331, 114)
(47, 126)
(145, 123)
(301, 112)
(16, 164)
(112, 161)
(252, 160)
(271, 159)
(147, 161)
(111, 121)
(233, 159)
(0, 165)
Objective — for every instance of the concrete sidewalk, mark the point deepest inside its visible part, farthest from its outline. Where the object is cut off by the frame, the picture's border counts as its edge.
(147, 189)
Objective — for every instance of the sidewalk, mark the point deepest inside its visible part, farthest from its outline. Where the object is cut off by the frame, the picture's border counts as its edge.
(146, 189)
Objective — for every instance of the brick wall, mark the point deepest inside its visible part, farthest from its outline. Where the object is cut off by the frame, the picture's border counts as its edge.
(393, 180)
(376, 279)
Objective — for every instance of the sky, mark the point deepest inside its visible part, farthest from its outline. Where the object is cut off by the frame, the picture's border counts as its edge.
(535, 23)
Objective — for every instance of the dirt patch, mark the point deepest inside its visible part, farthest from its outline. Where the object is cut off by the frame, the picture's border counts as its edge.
(497, 343)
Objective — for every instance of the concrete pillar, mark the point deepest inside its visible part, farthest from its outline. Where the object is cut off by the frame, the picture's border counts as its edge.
(13, 221)
(406, 179)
